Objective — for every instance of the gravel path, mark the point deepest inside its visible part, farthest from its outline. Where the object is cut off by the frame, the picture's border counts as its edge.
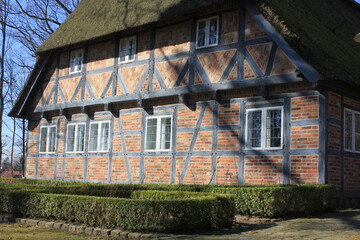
(341, 225)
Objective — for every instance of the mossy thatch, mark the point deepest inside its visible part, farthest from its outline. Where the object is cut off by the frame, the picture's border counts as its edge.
(96, 18)
(320, 31)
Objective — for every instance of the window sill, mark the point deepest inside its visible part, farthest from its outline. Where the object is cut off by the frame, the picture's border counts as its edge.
(351, 151)
(208, 46)
(155, 151)
(129, 61)
(263, 149)
(70, 73)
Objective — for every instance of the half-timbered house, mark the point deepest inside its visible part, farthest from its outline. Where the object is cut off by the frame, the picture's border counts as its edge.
(198, 92)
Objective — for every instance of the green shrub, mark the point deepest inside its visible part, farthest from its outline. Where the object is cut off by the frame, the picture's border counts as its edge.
(165, 195)
(130, 214)
(283, 200)
(269, 200)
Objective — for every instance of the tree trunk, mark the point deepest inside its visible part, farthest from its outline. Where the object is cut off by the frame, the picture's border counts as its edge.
(2, 73)
(12, 149)
(23, 147)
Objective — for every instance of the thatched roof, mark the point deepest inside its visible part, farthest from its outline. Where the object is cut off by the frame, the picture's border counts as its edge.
(96, 18)
(320, 31)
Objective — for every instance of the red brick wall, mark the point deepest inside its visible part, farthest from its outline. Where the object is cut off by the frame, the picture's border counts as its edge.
(98, 168)
(30, 167)
(304, 108)
(157, 169)
(227, 170)
(263, 170)
(229, 27)
(351, 173)
(335, 170)
(198, 171)
(229, 114)
(134, 163)
(119, 172)
(334, 137)
(46, 167)
(258, 170)
(304, 169)
(59, 168)
(171, 40)
(334, 105)
(203, 142)
(305, 137)
(74, 168)
(228, 141)
(351, 161)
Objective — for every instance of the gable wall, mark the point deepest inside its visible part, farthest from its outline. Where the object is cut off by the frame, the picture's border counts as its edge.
(195, 156)
(209, 135)
(103, 76)
(344, 166)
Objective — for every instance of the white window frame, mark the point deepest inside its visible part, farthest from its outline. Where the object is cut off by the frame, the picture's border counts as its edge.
(158, 135)
(207, 31)
(48, 139)
(75, 137)
(127, 46)
(263, 128)
(76, 67)
(353, 136)
(98, 138)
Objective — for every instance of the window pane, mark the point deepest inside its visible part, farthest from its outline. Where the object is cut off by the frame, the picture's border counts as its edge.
(76, 60)
(80, 138)
(273, 128)
(79, 61)
(70, 138)
(43, 138)
(151, 131)
(254, 129)
(132, 49)
(213, 31)
(123, 50)
(165, 131)
(357, 132)
(201, 33)
(51, 147)
(348, 130)
(104, 137)
(93, 136)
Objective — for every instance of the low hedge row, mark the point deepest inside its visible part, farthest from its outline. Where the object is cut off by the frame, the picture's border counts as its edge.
(267, 201)
(282, 200)
(166, 195)
(130, 214)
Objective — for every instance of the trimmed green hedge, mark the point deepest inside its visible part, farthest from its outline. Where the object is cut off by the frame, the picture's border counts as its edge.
(130, 214)
(267, 201)
(279, 201)
(166, 195)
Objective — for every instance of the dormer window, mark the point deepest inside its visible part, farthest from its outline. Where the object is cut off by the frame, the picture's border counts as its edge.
(207, 32)
(76, 61)
(127, 48)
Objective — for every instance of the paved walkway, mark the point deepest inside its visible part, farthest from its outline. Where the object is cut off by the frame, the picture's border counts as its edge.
(342, 225)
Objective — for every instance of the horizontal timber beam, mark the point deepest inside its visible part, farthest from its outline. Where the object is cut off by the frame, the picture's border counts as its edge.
(143, 96)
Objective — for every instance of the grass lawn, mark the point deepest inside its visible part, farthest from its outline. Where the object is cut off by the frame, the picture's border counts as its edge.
(14, 231)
